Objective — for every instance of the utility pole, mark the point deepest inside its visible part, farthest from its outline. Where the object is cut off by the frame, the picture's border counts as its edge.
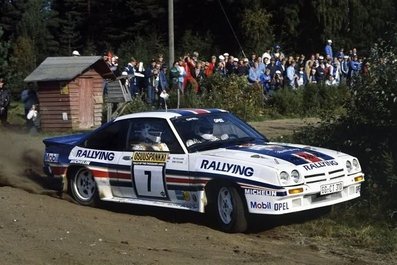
(171, 48)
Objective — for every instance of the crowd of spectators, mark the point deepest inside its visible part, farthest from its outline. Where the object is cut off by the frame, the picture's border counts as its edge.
(272, 70)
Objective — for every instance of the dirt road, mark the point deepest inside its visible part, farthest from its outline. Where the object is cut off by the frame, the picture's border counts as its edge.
(40, 226)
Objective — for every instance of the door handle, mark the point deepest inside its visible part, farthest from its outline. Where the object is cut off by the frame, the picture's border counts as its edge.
(127, 158)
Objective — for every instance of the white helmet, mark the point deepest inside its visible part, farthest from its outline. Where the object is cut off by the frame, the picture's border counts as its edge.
(149, 133)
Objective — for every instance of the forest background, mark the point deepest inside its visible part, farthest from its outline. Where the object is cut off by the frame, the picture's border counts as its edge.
(32, 30)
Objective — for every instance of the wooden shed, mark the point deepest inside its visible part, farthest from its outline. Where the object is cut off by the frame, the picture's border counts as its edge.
(70, 92)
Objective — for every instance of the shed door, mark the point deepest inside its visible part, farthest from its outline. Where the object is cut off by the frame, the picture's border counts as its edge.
(86, 103)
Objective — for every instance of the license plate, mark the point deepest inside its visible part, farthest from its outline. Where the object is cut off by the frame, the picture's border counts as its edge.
(331, 188)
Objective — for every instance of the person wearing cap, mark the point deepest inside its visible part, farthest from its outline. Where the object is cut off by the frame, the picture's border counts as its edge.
(328, 50)
(75, 53)
(234, 68)
(5, 98)
(277, 80)
(226, 55)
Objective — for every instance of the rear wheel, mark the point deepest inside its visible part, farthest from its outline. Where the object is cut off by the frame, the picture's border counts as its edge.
(228, 207)
(83, 187)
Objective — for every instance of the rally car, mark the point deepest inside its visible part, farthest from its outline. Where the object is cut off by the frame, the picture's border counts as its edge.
(204, 160)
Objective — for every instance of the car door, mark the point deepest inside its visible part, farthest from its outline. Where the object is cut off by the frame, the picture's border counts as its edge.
(102, 151)
(151, 152)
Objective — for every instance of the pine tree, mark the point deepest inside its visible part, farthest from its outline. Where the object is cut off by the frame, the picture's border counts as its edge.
(4, 47)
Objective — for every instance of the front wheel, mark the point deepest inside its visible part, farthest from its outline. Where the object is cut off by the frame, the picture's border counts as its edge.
(229, 210)
(83, 187)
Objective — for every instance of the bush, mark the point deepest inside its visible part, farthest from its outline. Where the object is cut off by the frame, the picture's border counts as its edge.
(235, 94)
(368, 130)
(310, 101)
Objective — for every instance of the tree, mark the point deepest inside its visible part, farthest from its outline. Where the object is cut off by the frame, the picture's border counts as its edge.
(257, 30)
(34, 26)
(4, 46)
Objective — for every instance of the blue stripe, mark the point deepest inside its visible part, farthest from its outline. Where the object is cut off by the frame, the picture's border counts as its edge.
(282, 152)
(117, 183)
(187, 188)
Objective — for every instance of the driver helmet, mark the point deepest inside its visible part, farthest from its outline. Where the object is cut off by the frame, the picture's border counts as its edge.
(205, 131)
(150, 133)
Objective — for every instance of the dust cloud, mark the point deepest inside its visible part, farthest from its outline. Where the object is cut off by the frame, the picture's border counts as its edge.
(21, 161)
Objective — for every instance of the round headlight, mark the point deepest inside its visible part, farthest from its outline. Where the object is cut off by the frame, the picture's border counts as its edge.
(348, 166)
(284, 177)
(356, 165)
(295, 176)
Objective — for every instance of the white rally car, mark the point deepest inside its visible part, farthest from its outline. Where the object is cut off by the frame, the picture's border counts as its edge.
(204, 160)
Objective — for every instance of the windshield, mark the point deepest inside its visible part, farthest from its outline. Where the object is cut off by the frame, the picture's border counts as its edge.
(208, 131)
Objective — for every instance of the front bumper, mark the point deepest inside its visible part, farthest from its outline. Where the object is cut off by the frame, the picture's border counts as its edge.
(309, 198)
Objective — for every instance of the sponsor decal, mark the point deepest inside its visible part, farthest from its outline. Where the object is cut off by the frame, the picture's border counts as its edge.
(51, 157)
(320, 164)
(281, 206)
(261, 205)
(278, 206)
(227, 168)
(83, 162)
(260, 192)
(152, 157)
(93, 154)
(178, 160)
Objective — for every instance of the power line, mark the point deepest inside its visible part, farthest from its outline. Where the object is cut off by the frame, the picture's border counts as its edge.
(231, 27)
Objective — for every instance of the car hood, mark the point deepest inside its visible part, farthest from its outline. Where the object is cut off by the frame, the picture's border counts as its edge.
(273, 154)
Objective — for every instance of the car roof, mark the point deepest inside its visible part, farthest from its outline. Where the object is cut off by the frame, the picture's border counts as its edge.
(169, 114)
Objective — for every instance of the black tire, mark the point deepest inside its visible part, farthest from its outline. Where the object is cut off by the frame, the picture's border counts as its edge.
(228, 208)
(83, 188)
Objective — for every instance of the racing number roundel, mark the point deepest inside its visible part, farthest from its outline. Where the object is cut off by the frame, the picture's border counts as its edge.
(148, 174)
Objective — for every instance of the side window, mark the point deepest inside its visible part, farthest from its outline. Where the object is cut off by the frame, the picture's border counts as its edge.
(113, 137)
(152, 134)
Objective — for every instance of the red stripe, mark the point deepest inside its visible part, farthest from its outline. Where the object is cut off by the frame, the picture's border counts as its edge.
(309, 157)
(187, 181)
(58, 170)
(201, 111)
(103, 174)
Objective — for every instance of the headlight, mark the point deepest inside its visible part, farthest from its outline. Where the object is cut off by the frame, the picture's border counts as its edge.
(284, 177)
(295, 176)
(356, 165)
(348, 166)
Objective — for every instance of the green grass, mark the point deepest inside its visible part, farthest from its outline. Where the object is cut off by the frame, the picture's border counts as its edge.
(16, 113)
